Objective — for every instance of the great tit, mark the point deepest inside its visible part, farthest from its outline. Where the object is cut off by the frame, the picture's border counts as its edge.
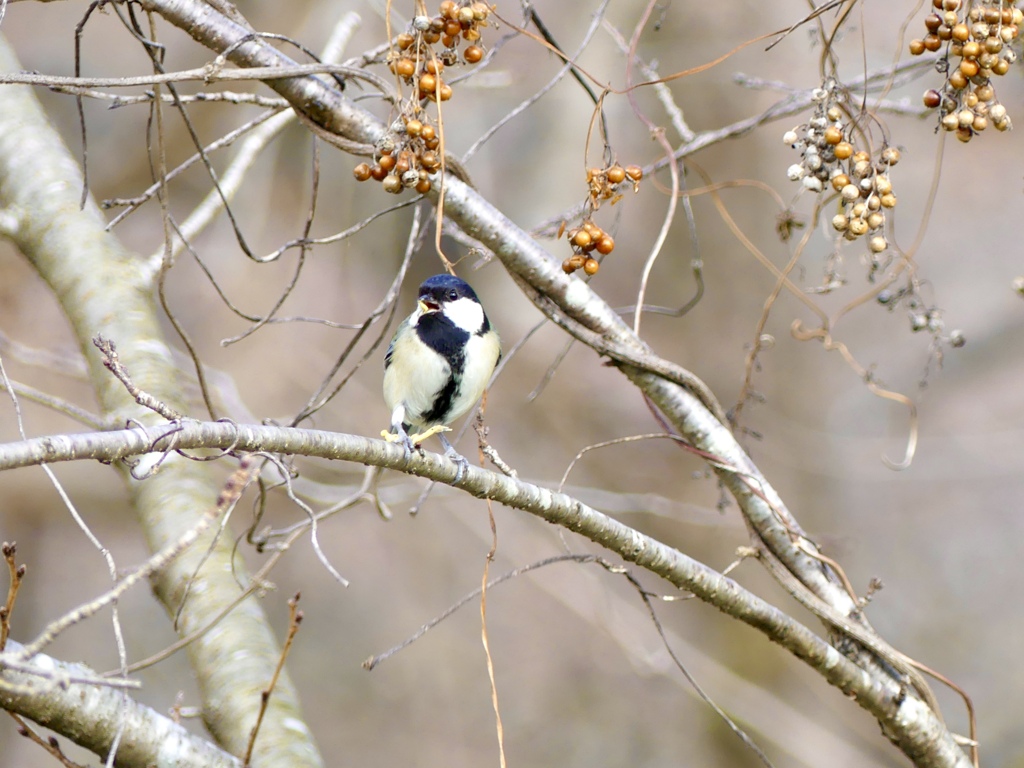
(439, 363)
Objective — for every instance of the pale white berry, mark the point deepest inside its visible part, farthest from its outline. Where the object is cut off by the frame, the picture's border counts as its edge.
(812, 183)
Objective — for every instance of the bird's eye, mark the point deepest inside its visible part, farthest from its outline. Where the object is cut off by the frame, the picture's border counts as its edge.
(453, 294)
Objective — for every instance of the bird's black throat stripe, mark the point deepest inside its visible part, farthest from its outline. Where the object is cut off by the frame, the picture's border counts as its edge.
(444, 337)
(448, 340)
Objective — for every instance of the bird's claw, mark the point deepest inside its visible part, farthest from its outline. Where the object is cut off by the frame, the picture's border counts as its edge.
(460, 461)
(402, 438)
(412, 442)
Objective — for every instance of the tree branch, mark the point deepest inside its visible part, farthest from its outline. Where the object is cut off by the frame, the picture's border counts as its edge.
(84, 713)
(914, 727)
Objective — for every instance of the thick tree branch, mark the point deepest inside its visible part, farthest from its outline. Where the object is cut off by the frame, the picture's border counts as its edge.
(915, 728)
(84, 713)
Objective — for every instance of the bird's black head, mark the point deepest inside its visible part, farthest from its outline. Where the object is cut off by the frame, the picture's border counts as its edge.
(444, 289)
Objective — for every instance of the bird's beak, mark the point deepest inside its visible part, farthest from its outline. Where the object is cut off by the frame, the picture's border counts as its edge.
(427, 306)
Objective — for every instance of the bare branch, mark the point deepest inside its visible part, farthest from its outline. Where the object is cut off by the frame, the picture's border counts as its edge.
(83, 712)
(920, 728)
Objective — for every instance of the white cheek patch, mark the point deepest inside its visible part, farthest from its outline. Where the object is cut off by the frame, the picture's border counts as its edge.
(466, 314)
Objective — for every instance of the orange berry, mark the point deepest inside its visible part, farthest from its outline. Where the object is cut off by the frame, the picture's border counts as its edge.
(361, 172)
(969, 68)
(635, 172)
(590, 266)
(606, 245)
(428, 83)
(843, 150)
(616, 174)
(473, 54)
(405, 67)
(581, 238)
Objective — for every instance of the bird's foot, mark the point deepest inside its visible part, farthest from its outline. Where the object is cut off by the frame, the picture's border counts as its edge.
(412, 443)
(401, 437)
(460, 461)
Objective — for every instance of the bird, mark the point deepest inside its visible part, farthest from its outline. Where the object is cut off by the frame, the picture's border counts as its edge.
(438, 364)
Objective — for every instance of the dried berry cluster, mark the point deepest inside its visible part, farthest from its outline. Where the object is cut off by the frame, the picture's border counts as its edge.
(828, 156)
(408, 154)
(585, 239)
(603, 184)
(922, 317)
(404, 158)
(980, 42)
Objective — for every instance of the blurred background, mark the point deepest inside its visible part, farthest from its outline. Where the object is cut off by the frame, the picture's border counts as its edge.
(582, 676)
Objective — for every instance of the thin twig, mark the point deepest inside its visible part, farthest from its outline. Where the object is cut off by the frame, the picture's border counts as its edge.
(16, 573)
(60, 405)
(51, 744)
(294, 620)
(113, 363)
(233, 488)
(698, 689)
(203, 97)
(372, 662)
